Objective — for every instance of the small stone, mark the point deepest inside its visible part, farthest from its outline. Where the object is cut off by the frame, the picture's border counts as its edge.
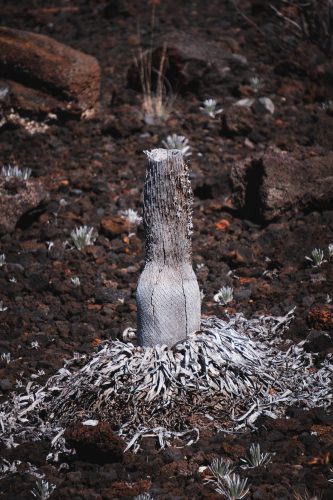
(5, 385)
(320, 316)
(222, 225)
(113, 226)
(237, 120)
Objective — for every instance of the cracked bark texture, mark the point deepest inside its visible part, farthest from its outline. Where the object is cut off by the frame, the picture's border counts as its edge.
(168, 295)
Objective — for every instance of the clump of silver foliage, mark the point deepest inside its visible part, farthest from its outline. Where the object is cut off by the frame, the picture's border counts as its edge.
(83, 236)
(21, 173)
(233, 372)
(180, 142)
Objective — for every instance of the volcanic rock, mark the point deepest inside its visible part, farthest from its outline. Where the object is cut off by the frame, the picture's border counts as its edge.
(279, 182)
(320, 316)
(43, 75)
(95, 443)
(17, 197)
(193, 63)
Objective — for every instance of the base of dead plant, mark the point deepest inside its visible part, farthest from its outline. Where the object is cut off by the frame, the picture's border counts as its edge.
(230, 372)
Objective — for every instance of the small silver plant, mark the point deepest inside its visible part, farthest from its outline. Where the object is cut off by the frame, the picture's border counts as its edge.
(83, 236)
(175, 141)
(233, 487)
(221, 467)
(2, 259)
(76, 281)
(326, 105)
(224, 295)
(21, 173)
(330, 250)
(317, 257)
(3, 308)
(209, 108)
(306, 495)
(255, 458)
(6, 357)
(43, 489)
(131, 216)
(256, 83)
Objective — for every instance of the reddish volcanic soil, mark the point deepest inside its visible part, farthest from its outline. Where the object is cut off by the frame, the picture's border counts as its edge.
(88, 170)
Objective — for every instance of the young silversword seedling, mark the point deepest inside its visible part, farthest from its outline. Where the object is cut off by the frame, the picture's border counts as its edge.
(10, 171)
(76, 281)
(330, 250)
(3, 308)
(131, 216)
(317, 257)
(43, 489)
(256, 83)
(326, 105)
(224, 295)
(175, 141)
(226, 482)
(83, 236)
(209, 108)
(233, 487)
(255, 458)
(2, 259)
(5, 356)
(221, 467)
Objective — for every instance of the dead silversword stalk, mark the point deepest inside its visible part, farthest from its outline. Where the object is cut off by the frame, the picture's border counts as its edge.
(168, 295)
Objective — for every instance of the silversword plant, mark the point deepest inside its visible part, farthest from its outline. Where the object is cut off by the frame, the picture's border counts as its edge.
(76, 281)
(131, 216)
(210, 108)
(306, 495)
(256, 83)
(3, 308)
(43, 489)
(317, 257)
(9, 171)
(326, 105)
(255, 458)
(5, 356)
(233, 487)
(175, 141)
(2, 259)
(83, 236)
(221, 467)
(330, 250)
(224, 295)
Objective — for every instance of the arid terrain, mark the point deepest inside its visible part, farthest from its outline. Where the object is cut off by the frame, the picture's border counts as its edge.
(261, 168)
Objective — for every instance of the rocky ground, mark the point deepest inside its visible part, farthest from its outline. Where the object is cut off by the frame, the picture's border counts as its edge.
(263, 201)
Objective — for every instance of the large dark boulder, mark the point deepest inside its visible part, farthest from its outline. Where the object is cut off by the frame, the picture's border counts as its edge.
(280, 182)
(192, 63)
(40, 74)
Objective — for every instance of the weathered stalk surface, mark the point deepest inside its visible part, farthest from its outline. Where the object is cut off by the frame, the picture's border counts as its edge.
(168, 295)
